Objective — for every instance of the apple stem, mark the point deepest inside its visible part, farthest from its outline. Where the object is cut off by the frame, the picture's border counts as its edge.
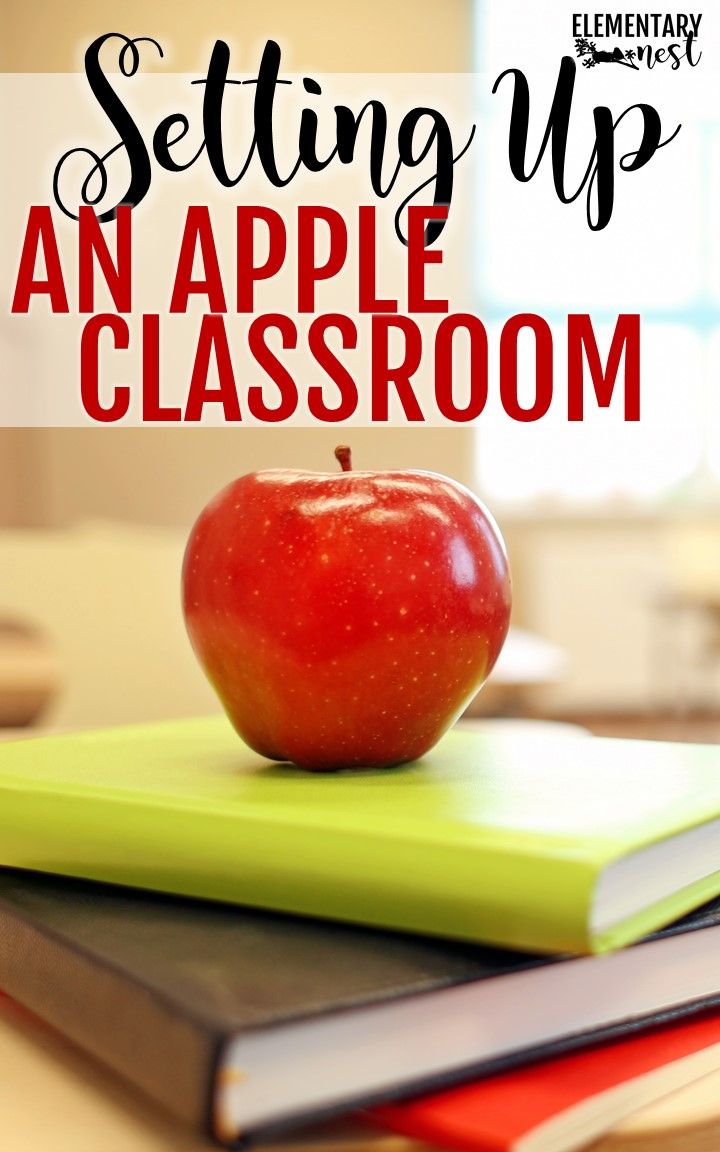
(343, 457)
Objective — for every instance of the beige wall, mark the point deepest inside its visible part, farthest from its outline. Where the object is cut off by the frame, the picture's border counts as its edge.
(164, 477)
(58, 476)
(11, 454)
(325, 35)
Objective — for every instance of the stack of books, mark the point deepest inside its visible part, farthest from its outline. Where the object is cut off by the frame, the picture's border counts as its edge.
(511, 943)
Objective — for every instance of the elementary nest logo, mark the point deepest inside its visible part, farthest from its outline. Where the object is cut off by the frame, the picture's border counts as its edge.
(654, 38)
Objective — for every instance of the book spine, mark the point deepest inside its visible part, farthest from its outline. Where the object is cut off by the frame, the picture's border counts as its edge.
(129, 1027)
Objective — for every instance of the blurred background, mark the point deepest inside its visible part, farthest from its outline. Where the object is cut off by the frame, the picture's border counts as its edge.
(616, 561)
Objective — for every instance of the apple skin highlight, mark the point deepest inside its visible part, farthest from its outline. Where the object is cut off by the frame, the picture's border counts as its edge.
(345, 619)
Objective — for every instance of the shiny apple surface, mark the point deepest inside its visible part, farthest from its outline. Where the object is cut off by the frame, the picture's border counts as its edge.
(345, 619)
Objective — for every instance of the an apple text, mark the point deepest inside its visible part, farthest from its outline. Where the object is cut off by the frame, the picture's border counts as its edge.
(260, 351)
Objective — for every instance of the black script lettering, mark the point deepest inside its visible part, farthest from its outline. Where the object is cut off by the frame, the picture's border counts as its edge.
(423, 135)
(130, 136)
(599, 175)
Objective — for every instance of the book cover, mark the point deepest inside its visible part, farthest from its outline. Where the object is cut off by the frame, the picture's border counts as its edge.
(79, 1106)
(86, 1107)
(553, 845)
(240, 1022)
(565, 1102)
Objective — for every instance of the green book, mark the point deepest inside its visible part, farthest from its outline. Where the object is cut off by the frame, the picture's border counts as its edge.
(548, 845)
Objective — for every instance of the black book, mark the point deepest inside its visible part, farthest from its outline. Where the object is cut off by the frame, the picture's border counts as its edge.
(242, 1022)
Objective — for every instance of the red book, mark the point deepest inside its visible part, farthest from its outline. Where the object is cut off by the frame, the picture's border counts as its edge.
(562, 1103)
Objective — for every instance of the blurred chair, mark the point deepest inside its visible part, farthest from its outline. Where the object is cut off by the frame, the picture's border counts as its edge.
(107, 597)
(29, 673)
(688, 648)
(526, 665)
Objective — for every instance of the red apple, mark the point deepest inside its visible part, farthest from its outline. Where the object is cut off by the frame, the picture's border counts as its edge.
(345, 619)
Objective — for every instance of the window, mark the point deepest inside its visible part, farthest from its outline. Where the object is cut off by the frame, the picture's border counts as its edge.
(660, 256)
